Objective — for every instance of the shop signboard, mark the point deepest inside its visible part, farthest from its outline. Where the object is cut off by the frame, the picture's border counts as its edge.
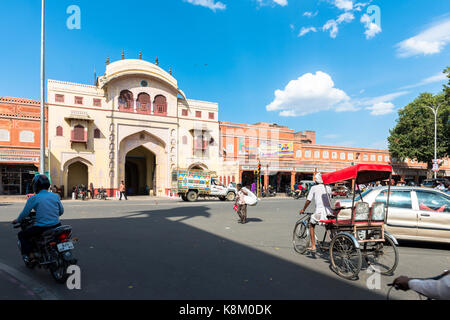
(286, 149)
(268, 149)
(242, 149)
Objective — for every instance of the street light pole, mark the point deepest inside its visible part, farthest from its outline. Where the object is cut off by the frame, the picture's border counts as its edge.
(42, 162)
(435, 112)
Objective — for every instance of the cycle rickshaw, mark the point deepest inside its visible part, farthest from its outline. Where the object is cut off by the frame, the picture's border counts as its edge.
(355, 232)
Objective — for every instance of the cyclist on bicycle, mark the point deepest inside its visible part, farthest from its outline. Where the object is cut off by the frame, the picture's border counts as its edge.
(319, 193)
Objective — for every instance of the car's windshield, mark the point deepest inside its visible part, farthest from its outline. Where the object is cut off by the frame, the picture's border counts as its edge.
(363, 194)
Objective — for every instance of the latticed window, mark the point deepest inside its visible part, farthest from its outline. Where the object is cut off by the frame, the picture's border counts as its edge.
(59, 131)
(126, 100)
(198, 114)
(59, 98)
(184, 112)
(78, 133)
(78, 100)
(211, 115)
(143, 102)
(160, 105)
(97, 102)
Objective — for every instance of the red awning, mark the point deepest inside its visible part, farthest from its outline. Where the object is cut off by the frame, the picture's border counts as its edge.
(363, 173)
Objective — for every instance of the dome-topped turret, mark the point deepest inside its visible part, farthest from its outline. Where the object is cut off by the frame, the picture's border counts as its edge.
(129, 67)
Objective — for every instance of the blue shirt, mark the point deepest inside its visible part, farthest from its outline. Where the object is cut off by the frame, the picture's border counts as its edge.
(48, 208)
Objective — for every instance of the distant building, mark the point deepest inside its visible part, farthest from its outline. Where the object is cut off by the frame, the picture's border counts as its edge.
(19, 144)
(286, 157)
(136, 125)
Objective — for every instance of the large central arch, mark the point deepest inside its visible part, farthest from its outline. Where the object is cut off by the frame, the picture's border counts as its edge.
(143, 164)
(140, 172)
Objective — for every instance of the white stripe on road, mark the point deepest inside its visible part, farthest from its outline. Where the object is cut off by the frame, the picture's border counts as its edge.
(38, 289)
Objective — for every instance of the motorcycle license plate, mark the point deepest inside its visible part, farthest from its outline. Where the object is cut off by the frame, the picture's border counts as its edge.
(65, 246)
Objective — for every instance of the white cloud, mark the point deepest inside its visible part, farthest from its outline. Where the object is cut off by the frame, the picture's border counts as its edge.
(332, 25)
(372, 29)
(358, 6)
(344, 4)
(383, 104)
(345, 17)
(436, 78)
(281, 2)
(208, 4)
(304, 31)
(381, 108)
(310, 93)
(309, 14)
(428, 42)
(385, 98)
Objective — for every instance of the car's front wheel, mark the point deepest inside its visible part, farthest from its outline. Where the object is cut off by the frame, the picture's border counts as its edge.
(231, 196)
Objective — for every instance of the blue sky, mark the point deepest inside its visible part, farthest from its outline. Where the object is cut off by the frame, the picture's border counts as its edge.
(311, 65)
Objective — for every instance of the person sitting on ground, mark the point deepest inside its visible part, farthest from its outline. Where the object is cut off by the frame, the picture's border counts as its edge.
(319, 194)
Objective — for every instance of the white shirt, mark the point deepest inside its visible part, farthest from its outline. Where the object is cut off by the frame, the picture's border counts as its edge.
(321, 200)
(433, 289)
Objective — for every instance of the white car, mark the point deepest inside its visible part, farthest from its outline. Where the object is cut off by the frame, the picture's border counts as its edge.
(414, 213)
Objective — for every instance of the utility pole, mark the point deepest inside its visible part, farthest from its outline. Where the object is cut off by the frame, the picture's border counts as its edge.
(435, 112)
(42, 164)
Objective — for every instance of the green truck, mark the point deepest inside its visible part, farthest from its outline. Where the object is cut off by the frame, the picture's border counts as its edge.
(192, 184)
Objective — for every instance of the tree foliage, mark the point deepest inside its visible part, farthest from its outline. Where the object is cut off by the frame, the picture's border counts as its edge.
(413, 135)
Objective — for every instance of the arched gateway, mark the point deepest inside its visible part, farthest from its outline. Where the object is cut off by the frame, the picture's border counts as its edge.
(143, 164)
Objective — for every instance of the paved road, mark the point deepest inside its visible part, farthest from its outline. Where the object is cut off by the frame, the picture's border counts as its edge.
(177, 250)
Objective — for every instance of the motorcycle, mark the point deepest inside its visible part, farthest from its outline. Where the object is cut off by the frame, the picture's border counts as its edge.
(82, 195)
(101, 195)
(52, 249)
(300, 193)
(269, 193)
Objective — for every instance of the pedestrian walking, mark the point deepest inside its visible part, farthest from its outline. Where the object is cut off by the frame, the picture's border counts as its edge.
(91, 190)
(253, 188)
(122, 190)
(240, 203)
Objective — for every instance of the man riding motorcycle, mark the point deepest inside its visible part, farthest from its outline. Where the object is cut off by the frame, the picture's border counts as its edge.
(48, 209)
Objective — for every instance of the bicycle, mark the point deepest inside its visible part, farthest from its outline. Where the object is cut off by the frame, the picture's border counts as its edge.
(346, 253)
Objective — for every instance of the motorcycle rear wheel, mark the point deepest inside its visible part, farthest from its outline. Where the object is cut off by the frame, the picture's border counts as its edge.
(59, 273)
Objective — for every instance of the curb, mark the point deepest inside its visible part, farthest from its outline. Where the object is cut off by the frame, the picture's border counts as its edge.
(38, 289)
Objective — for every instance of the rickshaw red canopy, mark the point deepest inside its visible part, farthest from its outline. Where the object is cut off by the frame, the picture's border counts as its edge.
(362, 173)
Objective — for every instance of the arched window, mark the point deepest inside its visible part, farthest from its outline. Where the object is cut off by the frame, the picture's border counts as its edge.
(59, 131)
(143, 102)
(78, 133)
(126, 100)
(160, 105)
(97, 134)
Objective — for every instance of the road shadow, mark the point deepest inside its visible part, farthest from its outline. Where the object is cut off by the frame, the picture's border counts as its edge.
(254, 220)
(4, 204)
(159, 254)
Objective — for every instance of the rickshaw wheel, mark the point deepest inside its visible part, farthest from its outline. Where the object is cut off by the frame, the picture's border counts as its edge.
(300, 237)
(382, 256)
(346, 259)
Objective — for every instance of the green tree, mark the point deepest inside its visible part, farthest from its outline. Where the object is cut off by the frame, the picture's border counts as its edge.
(413, 135)
(447, 86)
